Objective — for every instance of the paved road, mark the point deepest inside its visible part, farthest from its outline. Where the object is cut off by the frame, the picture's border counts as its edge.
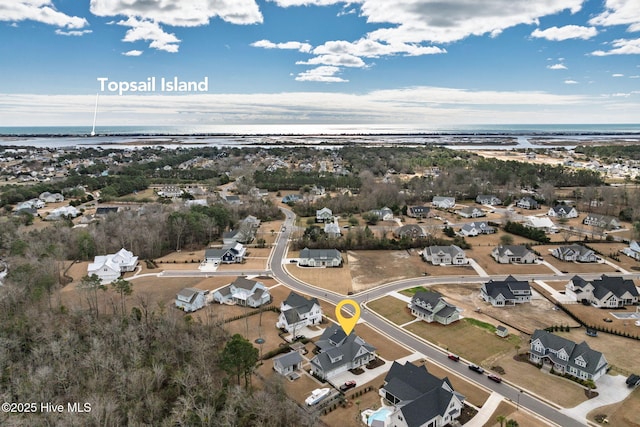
(510, 392)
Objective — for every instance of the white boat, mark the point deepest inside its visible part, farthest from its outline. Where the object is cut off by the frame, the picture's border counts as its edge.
(317, 395)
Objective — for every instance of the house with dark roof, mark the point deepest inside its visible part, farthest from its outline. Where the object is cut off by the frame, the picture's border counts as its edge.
(384, 214)
(106, 210)
(601, 221)
(527, 203)
(288, 363)
(471, 212)
(506, 292)
(418, 211)
(320, 258)
(502, 331)
(411, 231)
(245, 292)
(575, 253)
(228, 254)
(291, 198)
(338, 352)
(419, 397)
(488, 199)
(245, 233)
(448, 255)
(297, 312)
(191, 299)
(565, 356)
(605, 292)
(432, 307)
(471, 229)
(563, 211)
(513, 254)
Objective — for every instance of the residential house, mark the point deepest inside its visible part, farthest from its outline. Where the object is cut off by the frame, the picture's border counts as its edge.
(288, 363)
(448, 255)
(291, 198)
(633, 250)
(191, 299)
(471, 212)
(109, 267)
(575, 253)
(418, 211)
(102, 211)
(170, 191)
(339, 352)
(432, 307)
(567, 357)
(605, 292)
(527, 203)
(51, 197)
(412, 231)
(563, 211)
(320, 258)
(332, 229)
(508, 292)
(245, 292)
(488, 199)
(228, 254)
(542, 223)
(324, 215)
(298, 312)
(472, 229)
(384, 214)
(233, 199)
(245, 233)
(601, 221)
(443, 202)
(62, 212)
(513, 254)
(30, 204)
(420, 399)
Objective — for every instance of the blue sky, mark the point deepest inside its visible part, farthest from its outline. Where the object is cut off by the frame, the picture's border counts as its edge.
(422, 62)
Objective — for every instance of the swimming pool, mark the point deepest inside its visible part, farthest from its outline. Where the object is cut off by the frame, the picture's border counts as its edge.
(379, 415)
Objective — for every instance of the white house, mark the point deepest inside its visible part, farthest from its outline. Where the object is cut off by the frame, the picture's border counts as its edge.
(541, 223)
(338, 352)
(384, 214)
(448, 255)
(565, 356)
(575, 253)
(48, 197)
(109, 267)
(601, 221)
(488, 199)
(443, 202)
(432, 307)
(513, 254)
(632, 251)
(191, 299)
(245, 292)
(471, 229)
(605, 292)
(288, 363)
(527, 203)
(563, 211)
(62, 212)
(508, 292)
(297, 312)
(228, 254)
(324, 215)
(320, 258)
(471, 212)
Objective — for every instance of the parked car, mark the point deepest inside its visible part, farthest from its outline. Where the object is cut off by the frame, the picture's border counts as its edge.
(494, 377)
(454, 357)
(591, 332)
(476, 368)
(348, 385)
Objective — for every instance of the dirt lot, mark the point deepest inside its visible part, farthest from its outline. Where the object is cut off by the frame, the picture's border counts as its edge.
(625, 413)
(372, 268)
(595, 317)
(523, 418)
(332, 279)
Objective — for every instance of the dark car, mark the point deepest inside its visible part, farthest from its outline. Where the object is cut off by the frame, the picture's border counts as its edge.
(494, 377)
(476, 368)
(346, 386)
(454, 357)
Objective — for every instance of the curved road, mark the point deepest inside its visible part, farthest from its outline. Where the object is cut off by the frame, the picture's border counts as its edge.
(275, 264)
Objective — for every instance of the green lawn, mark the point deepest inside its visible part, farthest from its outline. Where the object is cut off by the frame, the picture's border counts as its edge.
(468, 338)
(392, 309)
(412, 291)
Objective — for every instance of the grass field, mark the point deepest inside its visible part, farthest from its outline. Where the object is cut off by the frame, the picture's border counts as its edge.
(332, 279)
(392, 309)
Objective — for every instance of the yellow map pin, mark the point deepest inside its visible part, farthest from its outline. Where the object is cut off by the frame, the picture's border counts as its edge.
(347, 323)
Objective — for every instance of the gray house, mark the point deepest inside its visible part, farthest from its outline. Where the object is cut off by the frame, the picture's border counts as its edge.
(513, 254)
(243, 291)
(471, 229)
(601, 221)
(565, 356)
(411, 231)
(605, 292)
(449, 255)
(431, 307)
(191, 299)
(288, 363)
(471, 212)
(443, 202)
(245, 233)
(297, 312)
(228, 254)
(527, 203)
(508, 292)
(575, 253)
(419, 397)
(338, 353)
(324, 215)
(320, 258)
(418, 211)
(488, 199)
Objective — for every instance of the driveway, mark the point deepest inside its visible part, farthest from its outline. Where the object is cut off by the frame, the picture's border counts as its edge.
(610, 390)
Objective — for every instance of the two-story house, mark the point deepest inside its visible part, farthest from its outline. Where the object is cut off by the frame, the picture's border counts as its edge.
(324, 215)
(508, 292)
(432, 307)
(244, 292)
(297, 312)
(575, 253)
(339, 352)
(563, 211)
(605, 292)
(472, 229)
(527, 203)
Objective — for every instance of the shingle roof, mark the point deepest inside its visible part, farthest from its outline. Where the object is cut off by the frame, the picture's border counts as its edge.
(549, 340)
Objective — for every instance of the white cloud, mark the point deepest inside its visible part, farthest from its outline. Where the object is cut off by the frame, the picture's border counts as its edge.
(146, 17)
(619, 12)
(570, 82)
(558, 66)
(565, 33)
(132, 53)
(341, 60)
(76, 33)
(621, 47)
(617, 75)
(149, 31)
(266, 44)
(325, 73)
(40, 11)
